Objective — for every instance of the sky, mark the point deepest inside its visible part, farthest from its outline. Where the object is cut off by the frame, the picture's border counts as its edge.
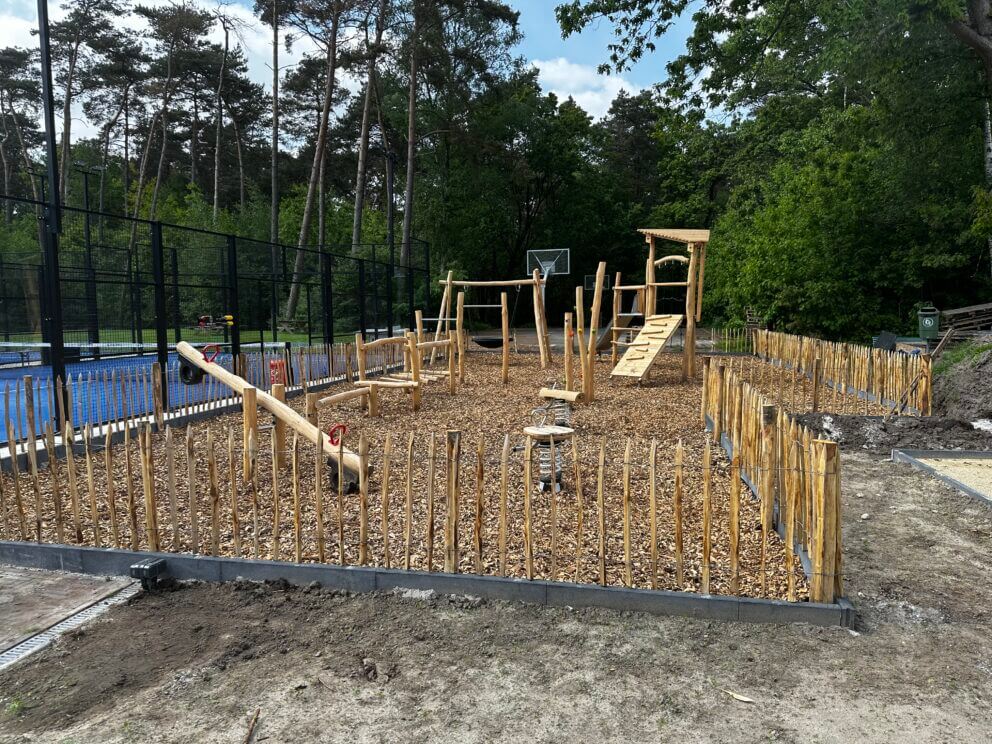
(566, 67)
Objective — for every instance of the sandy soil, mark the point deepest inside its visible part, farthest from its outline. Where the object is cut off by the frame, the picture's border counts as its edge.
(194, 664)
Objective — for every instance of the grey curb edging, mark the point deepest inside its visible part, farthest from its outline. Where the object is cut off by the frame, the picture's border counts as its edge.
(911, 457)
(110, 562)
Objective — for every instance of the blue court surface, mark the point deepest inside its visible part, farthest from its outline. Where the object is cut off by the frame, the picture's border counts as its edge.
(106, 388)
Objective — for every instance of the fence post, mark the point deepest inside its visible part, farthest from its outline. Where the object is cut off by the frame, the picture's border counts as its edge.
(326, 297)
(161, 321)
(389, 290)
(233, 305)
(361, 296)
(826, 582)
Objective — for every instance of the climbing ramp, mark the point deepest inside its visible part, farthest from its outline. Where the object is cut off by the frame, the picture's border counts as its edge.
(643, 351)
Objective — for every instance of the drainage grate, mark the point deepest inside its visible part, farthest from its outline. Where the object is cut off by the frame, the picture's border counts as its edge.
(40, 640)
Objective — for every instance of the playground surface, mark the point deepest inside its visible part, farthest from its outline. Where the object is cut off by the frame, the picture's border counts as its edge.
(194, 664)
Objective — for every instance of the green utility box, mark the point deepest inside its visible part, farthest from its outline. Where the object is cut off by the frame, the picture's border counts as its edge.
(929, 323)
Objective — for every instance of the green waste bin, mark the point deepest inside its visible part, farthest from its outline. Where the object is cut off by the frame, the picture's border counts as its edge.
(929, 323)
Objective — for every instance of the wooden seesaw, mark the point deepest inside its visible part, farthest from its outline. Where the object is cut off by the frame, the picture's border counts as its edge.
(196, 365)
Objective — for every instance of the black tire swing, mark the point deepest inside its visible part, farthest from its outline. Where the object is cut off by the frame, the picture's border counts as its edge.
(496, 342)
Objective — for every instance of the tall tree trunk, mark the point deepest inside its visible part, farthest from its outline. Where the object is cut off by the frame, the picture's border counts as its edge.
(25, 156)
(322, 201)
(294, 289)
(194, 135)
(67, 119)
(411, 145)
(219, 109)
(161, 165)
(274, 195)
(126, 167)
(104, 158)
(363, 139)
(987, 131)
(8, 205)
(241, 160)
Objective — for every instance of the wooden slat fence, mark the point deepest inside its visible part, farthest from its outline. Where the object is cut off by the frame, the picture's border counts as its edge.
(886, 375)
(794, 475)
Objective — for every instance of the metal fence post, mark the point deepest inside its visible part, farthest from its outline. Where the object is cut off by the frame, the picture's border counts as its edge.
(161, 311)
(326, 297)
(389, 289)
(361, 296)
(233, 305)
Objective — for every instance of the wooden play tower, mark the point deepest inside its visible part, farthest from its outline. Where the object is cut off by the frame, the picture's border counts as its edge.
(657, 331)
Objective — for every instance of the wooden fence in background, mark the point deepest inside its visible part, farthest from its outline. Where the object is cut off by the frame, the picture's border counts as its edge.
(896, 380)
(795, 476)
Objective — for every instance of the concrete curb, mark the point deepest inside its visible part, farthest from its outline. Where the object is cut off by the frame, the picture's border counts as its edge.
(911, 456)
(109, 562)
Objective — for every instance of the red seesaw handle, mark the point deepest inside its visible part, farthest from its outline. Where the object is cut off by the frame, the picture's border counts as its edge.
(216, 352)
(337, 431)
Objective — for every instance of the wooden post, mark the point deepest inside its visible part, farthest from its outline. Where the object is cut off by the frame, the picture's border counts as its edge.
(70, 466)
(505, 324)
(553, 503)
(504, 465)
(690, 315)
(653, 505)
(827, 520)
(677, 516)
(790, 516)
(718, 414)
(253, 484)
(132, 511)
(460, 335)
(704, 408)
(477, 529)
(387, 455)
(597, 303)
(214, 492)
(528, 543)
(279, 429)
(615, 323)
(766, 486)
(601, 503)
(699, 284)
(148, 481)
(816, 382)
(170, 474)
(235, 516)
(342, 558)
(408, 520)
(310, 403)
(707, 516)
(650, 291)
(191, 482)
(735, 524)
(628, 578)
(453, 457)
(363, 500)
(414, 356)
(320, 463)
(249, 411)
(451, 364)
(538, 319)
(568, 351)
(53, 471)
(429, 560)
(297, 525)
(443, 314)
(579, 507)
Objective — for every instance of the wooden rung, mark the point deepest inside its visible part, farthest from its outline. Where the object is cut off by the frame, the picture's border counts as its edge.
(384, 342)
(553, 394)
(386, 384)
(669, 284)
(331, 400)
(433, 344)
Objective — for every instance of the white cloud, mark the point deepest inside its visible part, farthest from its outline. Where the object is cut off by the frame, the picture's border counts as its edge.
(593, 91)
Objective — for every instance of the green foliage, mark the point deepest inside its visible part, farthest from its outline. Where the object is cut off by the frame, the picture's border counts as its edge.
(960, 354)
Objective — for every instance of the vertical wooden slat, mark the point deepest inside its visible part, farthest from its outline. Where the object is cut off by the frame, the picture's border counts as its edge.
(735, 524)
(233, 492)
(363, 500)
(408, 517)
(707, 518)
(387, 455)
(318, 498)
(528, 517)
(70, 466)
(628, 578)
(14, 465)
(504, 465)
(453, 453)
(214, 494)
(579, 508)
(677, 516)
(429, 558)
(653, 505)
(132, 512)
(56, 479)
(477, 527)
(148, 482)
(297, 517)
(601, 504)
(553, 499)
(191, 486)
(91, 486)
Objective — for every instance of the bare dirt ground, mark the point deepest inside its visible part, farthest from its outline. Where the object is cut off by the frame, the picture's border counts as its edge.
(195, 663)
